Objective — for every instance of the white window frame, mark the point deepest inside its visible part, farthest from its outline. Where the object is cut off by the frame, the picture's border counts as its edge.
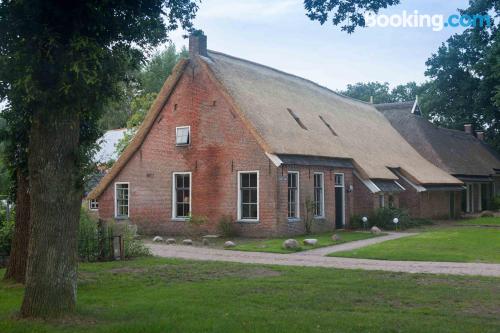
(189, 136)
(174, 195)
(343, 192)
(91, 201)
(322, 194)
(239, 196)
(297, 204)
(116, 201)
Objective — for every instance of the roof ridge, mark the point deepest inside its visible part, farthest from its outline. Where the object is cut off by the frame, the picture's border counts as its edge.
(289, 74)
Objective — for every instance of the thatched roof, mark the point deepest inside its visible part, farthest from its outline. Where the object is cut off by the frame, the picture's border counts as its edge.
(456, 152)
(289, 115)
(298, 117)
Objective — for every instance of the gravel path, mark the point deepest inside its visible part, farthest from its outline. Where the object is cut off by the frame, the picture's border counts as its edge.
(323, 251)
(316, 258)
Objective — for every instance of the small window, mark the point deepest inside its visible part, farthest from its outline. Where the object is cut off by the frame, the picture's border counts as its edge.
(182, 195)
(319, 195)
(293, 195)
(93, 204)
(248, 196)
(121, 200)
(183, 135)
(391, 201)
(381, 201)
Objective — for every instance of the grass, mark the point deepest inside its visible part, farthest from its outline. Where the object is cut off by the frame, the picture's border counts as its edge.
(275, 245)
(458, 244)
(487, 221)
(162, 295)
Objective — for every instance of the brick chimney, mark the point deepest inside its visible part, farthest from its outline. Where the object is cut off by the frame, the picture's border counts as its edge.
(480, 135)
(197, 44)
(468, 128)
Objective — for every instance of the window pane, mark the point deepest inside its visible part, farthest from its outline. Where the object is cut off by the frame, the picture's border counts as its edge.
(245, 180)
(182, 135)
(253, 211)
(253, 180)
(245, 196)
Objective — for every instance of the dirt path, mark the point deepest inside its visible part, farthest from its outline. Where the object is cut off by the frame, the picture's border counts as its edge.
(317, 259)
(323, 251)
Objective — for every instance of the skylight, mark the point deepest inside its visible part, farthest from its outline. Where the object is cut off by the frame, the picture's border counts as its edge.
(328, 125)
(297, 119)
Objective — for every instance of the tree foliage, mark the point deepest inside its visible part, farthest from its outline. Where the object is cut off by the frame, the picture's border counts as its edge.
(464, 77)
(348, 14)
(60, 63)
(381, 92)
(149, 80)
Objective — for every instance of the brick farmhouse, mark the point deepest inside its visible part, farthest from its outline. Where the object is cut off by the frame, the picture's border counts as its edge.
(229, 137)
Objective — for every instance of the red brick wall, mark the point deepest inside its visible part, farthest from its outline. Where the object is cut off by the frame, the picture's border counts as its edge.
(220, 147)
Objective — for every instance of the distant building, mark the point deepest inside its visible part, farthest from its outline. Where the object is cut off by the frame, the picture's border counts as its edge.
(463, 154)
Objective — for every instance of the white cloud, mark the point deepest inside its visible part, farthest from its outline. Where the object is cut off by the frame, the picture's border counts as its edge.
(248, 10)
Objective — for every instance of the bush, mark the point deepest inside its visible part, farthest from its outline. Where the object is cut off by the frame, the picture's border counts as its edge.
(6, 234)
(95, 239)
(495, 203)
(226, 227)
(487, 214)
(6, 229)
(383, 218)
(195, 224)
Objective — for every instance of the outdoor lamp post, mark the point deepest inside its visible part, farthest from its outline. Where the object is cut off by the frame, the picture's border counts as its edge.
(396, 221)
(365, 222)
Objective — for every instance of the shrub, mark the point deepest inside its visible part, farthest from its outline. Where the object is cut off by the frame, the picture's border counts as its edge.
(95, 239)
(495, 203)
(383, 218)
(226, 227)
(6, 229)
(487, 214)
(309, 215)
(195, 224)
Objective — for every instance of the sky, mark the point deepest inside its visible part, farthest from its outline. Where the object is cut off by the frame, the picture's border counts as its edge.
(277, 33)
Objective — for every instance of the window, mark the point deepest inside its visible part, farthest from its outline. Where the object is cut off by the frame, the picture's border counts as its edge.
(181, 195)
(248, 196)
(183, 135)
(381, 201)
(293, 195)
(93, 204)
(121, 200)
(391, 201)
(318, 195)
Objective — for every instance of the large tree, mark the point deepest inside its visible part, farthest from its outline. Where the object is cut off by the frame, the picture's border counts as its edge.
(381, 92)
(65, 58)
(465, 77)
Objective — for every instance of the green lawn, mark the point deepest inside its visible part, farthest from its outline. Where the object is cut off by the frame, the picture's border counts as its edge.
(275, 245)
(489, 221)
(161, 295)
(458, 244)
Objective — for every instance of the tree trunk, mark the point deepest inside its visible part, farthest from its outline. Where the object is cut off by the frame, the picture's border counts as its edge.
(16, 270)
(56, 192)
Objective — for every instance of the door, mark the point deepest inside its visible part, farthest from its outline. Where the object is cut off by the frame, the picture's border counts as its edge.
(339, 201)
(452, 205)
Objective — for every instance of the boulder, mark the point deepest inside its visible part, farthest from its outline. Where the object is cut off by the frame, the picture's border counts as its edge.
(229, 244)
(157, 239)
(171, 241)
(290, 244)
(375, 230)
(310, 241)
(335, 238)
(187, 242)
